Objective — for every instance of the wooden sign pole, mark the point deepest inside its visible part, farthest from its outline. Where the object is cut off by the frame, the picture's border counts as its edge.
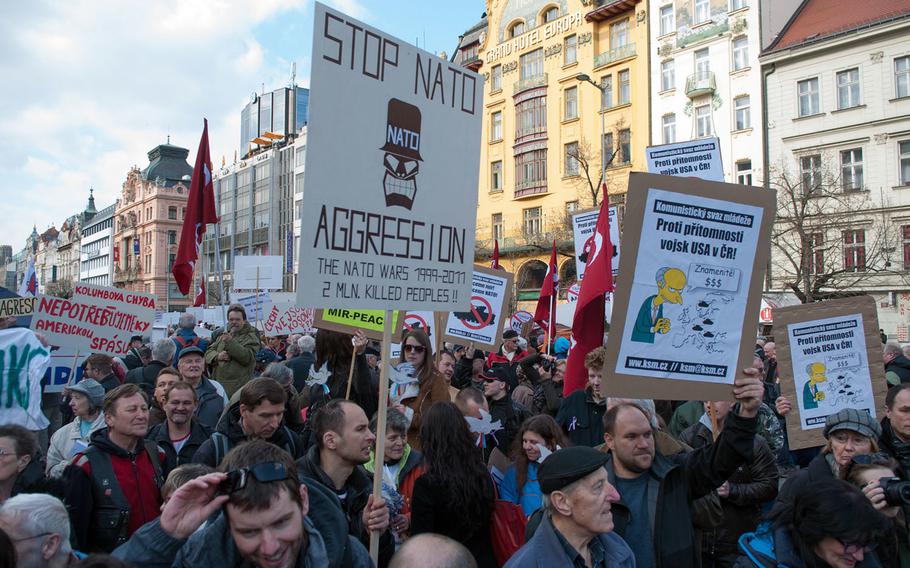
(380, 425)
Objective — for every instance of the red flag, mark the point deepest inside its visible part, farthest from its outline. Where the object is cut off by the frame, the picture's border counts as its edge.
(545, 314)
(494, 263)
(588, 322)
(200, 211)
(200, 293)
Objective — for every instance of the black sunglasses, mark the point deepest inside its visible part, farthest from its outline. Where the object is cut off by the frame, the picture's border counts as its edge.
(415, 348)
(869, 459)
(263, 472)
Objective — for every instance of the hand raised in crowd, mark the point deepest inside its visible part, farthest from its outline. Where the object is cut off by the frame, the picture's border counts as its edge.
(376, 515)
(876, 495)
(724, 490)
(469, 351)
(191, 505)
(748, 390)
(401, 523)
(224, 356)
(360, 341)
(227, 335)
(783, 406)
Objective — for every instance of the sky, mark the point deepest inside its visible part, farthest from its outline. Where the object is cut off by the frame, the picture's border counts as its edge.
(92, 85)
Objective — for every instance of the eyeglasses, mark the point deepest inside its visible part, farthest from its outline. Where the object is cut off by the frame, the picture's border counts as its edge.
(5, 452)
(853, 547)
(263, 472)
(42, 535)
(419, 349)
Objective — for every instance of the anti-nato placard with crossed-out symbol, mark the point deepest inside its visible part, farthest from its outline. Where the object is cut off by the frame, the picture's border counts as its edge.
(481, 323)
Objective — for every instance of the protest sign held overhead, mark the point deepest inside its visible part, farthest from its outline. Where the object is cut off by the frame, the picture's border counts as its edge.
(388, 216)
(15, 307)
(694, 158)
(829, 357)
(287, 318)
(95, 319)
(684, 312)
(422, 320)
(254, 303)
(258, 273)
(586, 241)
(349, 321)
(482, 322)
(65, 368)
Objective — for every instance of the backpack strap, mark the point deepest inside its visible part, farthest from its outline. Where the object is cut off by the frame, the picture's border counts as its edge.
(152, 449)
(104, 481)
(222, 446)
(292, 442)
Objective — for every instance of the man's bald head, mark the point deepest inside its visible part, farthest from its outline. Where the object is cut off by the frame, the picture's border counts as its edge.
(430, 550)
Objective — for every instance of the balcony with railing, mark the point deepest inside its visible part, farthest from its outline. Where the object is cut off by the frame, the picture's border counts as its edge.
(613, 55)
(530, 83)
(702, 83)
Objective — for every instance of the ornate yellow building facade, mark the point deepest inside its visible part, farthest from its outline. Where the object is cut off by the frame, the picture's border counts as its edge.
(547, 132)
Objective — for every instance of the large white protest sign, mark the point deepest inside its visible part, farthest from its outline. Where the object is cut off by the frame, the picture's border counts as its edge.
(258, 273)
(23, 361)
(693, 158)
(587, 241)
(287, 318)
(388, 215)
(482, 322)
(95, 319)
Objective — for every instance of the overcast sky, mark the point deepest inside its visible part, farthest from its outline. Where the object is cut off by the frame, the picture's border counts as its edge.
(92, 85)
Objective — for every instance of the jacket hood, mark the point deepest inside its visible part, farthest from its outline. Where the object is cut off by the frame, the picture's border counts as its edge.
(101, 440)
(410, 459)
(768, 547)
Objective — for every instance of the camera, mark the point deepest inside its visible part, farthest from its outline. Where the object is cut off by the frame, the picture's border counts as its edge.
(897, 492)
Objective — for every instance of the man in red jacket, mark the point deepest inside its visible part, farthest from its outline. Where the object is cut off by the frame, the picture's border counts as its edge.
(509, 355)
(113, 488)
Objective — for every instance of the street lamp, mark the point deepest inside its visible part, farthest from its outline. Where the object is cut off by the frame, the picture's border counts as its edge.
(583, 78)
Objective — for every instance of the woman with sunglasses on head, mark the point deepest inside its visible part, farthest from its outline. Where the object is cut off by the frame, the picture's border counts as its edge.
(867, 472)
(831, 525)
(432, 386)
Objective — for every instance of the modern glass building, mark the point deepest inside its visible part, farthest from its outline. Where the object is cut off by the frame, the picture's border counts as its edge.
(283, 111)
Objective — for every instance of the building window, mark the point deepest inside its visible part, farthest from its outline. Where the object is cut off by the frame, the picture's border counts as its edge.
(854, 250)
(496, 126)
(606, 92)
(517, 29)
(148, 264)
(702, 11)
(848, 88)
(496, 78)
(668, 123)
(531, 64)
(738, 4)
(619, 34)
(816, 242)
(740, 53)
(570, 53)
(625, 146)
(531, 169)
(703, 121)
(571, 159)
(571, 106)
(904, 149)
(571, 207)
(808, 97)
(551, 14)
(496, 176)
(744, 172)
(851, 168)
(666, 19)
(171, 212)
(172, 237)
(902, 76)
(667, 75)
(625, 88)
(702, 64)
(608, 149)
(532, 221)
(810, 171)
(741, 112)
(497, 226)
(171, 259)
(531, 117)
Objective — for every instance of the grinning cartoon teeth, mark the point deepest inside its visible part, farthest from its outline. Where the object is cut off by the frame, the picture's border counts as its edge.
(402, 154)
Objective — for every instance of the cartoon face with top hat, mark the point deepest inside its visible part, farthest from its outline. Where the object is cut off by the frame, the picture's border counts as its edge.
(402, 154)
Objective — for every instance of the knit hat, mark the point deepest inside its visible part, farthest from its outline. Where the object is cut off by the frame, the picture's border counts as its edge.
(855, 420)
(92, 389)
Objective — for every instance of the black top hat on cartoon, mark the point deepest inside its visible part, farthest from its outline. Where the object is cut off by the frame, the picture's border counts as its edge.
(403, 130)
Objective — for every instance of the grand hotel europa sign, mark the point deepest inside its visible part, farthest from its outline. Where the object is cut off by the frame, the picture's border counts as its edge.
(533, 37)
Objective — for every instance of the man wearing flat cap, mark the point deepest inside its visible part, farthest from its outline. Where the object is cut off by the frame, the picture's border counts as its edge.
(577, 527)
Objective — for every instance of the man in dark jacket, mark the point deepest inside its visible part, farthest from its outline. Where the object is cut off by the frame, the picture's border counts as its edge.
(134, 358)
(209, 403)
(742, 496)
(302, 362)
(895, 438)
(503, 408)
(100, 367)
(113, 488)
(654, 515)
(258, 415)
(343, 444)
(581, 413)
(180, 435)
(469, 368)
(897, 367)
(145, 377)
(186, 336)
(509, 355)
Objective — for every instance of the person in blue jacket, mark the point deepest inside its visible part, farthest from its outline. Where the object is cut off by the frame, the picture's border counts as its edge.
(538, 437)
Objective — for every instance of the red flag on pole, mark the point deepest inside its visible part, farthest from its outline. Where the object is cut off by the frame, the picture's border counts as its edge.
(200, 211)
(588, 322)
(494, 263)
(545, 314)
(200, 293)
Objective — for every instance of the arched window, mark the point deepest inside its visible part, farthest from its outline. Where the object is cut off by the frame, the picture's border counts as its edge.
(530, 279)
(567, 276)
(517, 29)
(550, 14)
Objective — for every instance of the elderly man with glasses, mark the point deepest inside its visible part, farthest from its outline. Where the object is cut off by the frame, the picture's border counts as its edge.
(39, 527)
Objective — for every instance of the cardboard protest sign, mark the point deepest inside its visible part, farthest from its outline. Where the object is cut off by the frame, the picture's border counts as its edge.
(258, 273)
(254, 303)
(519, 318)
(692, 158)
(425, 321)
(583, 225)
(684, 313)
(23, 360)
(481, 323)
(829, 357)
(15, 307)
(95, 319)
(349, 321)
(287, 318)
(389, 211)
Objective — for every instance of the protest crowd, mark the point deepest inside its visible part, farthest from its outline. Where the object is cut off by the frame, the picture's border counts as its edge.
(254, 450)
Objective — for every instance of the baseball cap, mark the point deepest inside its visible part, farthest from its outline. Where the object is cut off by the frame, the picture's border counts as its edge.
(568, 465)
(190, 349)
(496, 373)
(509, 334)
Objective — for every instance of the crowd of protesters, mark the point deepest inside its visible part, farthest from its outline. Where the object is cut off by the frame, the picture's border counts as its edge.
(247, 450)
